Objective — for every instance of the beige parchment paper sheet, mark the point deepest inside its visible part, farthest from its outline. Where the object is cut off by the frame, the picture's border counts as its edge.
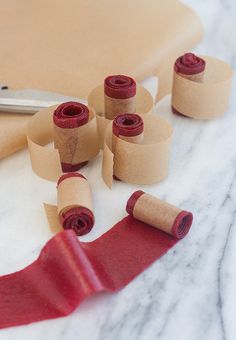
(144, 163)
(206, 100)
(55, 46)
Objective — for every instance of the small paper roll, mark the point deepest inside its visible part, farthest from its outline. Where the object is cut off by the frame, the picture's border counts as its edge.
(144, 105)
(119, 95)
(138, 163)
(67, 118)
(45, 161)
(159, 214)
(208, 99)
(74, 203)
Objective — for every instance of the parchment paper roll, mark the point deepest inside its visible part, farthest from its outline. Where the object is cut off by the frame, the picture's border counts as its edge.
(138, 163)
(159, 214)
(119, 95)
(144, 105)
(74, 203)
(45, 161)
(68, 118)
(208, 99)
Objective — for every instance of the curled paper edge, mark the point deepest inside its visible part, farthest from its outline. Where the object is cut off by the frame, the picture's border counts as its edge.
(150, 160)
(45, 161)
(204, 100)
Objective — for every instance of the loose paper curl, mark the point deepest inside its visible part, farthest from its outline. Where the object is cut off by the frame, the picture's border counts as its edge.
(203, 100)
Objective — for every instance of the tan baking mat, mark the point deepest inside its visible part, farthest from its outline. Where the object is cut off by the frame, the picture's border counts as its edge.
(70, 46)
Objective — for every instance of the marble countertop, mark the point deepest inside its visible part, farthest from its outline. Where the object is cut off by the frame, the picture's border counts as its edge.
(190, 292)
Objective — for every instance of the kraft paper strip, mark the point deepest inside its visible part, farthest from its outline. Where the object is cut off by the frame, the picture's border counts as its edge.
(68, 271)
(144, 163)
(116, 106)
(206, 100)
(12, 133)
(71, 192)
(53, 218)
(144, 105)
(74, 192)
(45, 161)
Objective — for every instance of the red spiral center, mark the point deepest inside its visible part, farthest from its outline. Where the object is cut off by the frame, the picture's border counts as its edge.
(71, 115)
(119, 86)
(127, 124)
(189, 64)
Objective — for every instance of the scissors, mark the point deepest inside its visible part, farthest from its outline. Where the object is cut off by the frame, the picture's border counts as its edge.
(29, 101)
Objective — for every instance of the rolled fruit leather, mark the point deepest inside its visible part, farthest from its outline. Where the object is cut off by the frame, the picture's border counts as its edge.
(159, 214)
(68, 118)
(119, 95)
(74, 203)
(129, 127)
(191, 67)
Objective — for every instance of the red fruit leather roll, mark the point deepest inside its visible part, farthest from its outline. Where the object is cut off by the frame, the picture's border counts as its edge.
(67, 118)
(74, 203)
(129, 127)
(119, 95)
(190, 67)
(67, 271)
(159, 214)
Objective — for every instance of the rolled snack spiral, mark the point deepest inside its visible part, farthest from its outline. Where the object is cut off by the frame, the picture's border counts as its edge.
(129, 127)
(67, 118)
(190, 67)
(75, 203)
(159, 214)
(119, 95)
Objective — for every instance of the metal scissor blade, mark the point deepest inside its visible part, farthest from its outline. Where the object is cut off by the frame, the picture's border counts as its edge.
(30, 101)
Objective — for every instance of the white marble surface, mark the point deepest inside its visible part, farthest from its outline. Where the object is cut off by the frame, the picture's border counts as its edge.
(188, 294)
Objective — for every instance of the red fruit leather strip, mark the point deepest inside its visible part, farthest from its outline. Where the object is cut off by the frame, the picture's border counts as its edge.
(68, 271)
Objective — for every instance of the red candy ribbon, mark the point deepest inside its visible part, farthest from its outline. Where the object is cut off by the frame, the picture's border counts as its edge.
(67, 271)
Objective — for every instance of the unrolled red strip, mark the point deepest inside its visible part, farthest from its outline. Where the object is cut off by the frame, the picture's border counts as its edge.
(68, 271)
